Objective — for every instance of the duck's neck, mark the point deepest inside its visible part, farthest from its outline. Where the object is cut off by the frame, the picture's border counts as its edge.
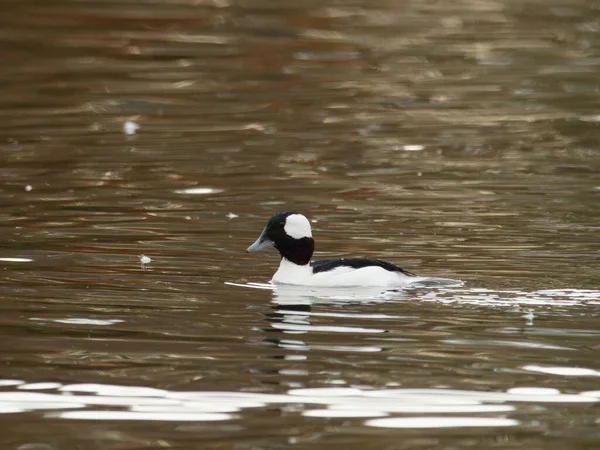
(291, 273)
(297, 251)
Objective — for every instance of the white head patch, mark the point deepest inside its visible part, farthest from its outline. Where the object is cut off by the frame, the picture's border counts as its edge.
(297, 226)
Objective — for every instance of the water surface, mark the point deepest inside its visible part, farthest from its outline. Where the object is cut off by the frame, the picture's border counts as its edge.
(455, 139)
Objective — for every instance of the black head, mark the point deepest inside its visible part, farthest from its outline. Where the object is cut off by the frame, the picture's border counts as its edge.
(290, 233)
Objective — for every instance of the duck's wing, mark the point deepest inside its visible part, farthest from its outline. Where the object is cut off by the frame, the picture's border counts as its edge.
(324, 265)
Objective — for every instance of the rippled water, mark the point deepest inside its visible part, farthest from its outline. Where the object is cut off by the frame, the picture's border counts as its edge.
(143, 145)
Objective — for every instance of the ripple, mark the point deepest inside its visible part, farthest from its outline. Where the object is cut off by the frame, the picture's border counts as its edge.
(149, 416)
(533, 391)
(326, 392)
(252, 285)
(441, 422)
(439, 290)
(341, 413)
(436, 409)
(515, 298)
(515, 344)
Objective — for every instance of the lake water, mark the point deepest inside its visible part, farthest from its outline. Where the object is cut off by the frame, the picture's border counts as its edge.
(455, 139)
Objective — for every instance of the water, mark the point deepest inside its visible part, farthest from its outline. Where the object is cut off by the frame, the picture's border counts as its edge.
(455, 139)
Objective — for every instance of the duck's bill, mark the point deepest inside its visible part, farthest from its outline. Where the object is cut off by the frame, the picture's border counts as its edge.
(262, 243)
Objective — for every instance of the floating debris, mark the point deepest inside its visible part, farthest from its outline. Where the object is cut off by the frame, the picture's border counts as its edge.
(144, 260)
(28, 188)
(232, 216)
(130, 127)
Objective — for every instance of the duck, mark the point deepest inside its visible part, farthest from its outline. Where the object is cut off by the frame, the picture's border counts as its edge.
(291, 234)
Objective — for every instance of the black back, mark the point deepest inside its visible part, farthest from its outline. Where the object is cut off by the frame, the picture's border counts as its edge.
(323, 265)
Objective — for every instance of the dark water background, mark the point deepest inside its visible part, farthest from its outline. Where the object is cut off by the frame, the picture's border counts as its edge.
(457, 139)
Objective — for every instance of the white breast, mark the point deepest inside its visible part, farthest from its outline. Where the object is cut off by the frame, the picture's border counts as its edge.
(290, 273)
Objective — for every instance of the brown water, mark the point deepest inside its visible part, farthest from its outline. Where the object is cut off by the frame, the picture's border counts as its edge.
(456, 139)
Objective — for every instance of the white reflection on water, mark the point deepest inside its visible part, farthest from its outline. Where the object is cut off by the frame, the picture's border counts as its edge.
(441, 422)
(11, 382)
(134, 415)
(198, 191)
(297, 328)
(39, 386)
(513, 297)
(80, 321)
(144, 403)
(342, 413)
(565, 371)
(114, 390)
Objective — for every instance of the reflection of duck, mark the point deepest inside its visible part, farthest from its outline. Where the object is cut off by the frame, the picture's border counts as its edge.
(293, 309)
(290, 233)
(297, 297)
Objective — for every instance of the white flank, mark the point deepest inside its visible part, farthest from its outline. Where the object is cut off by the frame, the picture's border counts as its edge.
(290, 273)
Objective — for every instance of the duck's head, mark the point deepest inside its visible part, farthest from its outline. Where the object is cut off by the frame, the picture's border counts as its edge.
(290, 233)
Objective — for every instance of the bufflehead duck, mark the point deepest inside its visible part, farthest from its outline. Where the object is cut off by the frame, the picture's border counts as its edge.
(290, 233)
